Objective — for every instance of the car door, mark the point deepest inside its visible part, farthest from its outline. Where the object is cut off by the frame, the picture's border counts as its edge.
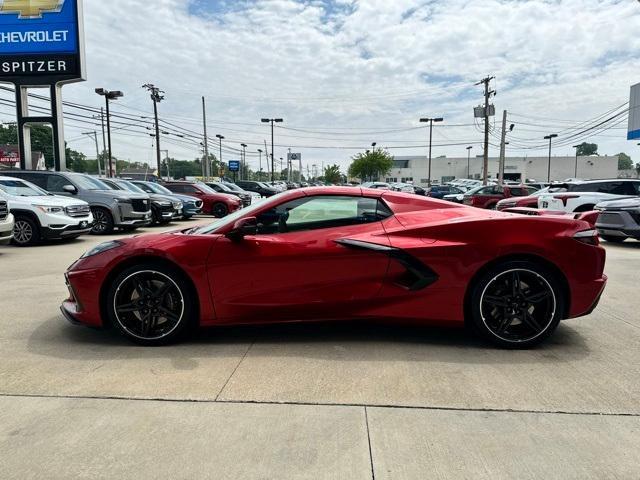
(295, 269)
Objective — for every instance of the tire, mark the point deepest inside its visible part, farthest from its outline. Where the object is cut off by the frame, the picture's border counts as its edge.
(141, 291)
(520, 317)
(219, 210)
(102, 221)
(26, 232)
(612, 239)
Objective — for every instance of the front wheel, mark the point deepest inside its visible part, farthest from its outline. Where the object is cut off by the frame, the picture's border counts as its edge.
(26, 232)
(219, 210)
(150, 304)
(102, 221)
(517, 304)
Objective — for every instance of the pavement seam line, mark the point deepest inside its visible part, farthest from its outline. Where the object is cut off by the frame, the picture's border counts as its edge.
(234, 370)
(366, 419)
(320, 404)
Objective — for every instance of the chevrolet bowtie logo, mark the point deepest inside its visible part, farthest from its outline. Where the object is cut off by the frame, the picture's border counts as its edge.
(30, 8)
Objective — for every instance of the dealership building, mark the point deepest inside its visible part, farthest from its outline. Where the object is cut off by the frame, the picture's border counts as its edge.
(444, 169)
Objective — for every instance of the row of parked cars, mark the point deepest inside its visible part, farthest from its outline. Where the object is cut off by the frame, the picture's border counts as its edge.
(39, 205)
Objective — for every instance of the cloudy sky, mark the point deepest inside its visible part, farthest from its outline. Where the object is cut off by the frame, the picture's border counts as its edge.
(345, 73)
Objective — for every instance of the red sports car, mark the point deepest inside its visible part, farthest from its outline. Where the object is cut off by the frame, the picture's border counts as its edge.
(339, 253)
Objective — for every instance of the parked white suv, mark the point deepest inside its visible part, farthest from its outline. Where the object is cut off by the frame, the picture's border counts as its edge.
(6, 223)
(584, 196)
(40, 215)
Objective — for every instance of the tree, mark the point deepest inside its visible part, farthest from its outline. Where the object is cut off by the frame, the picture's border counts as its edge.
(332, 174)
(624, 162)
(586, 149)
(371, 165)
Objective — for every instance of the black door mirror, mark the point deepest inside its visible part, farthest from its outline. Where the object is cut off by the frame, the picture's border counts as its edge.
(242, 228)
(70, 189)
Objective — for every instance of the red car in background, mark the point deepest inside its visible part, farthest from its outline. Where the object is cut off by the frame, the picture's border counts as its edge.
(213, 203)
(489, 196)
(345, 253)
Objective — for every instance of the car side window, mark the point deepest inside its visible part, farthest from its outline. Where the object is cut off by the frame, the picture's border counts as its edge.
(176, 188)
(189, 189)
(39, 180)
(314, 213)
(56, 182)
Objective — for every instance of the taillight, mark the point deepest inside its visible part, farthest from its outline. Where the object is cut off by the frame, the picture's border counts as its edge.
(589, 237)
(564, 198)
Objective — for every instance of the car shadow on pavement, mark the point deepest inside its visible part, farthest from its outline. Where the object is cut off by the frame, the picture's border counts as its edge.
(369, 341)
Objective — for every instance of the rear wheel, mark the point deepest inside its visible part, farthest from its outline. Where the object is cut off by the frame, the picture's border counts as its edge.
(26, 232)
(219, 210)
(517, 304)
(102, 221)
(150, 304)
(612, 239)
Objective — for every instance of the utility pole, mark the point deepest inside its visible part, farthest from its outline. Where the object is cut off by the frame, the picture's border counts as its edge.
(272, 121)
(502, 149)
(220, 137)
(157, 96)
(289, 166)
(259, 164)
(577, 147)
(550, 138)
(430, 122)
(487, 112)
(94, 134)
(206, 164)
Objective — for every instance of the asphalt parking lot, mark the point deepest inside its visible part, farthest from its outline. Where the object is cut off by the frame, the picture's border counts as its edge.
(312, 401)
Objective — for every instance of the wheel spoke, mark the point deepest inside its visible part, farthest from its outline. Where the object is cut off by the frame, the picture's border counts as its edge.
(495, 300)
(538, 297)
(515, 283)
(162, 291)
(505, 323)
(169, 314)
(129, 307)
(531, 321)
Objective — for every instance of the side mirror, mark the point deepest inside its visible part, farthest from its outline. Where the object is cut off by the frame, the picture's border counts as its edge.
(242, 228)
(70, 189)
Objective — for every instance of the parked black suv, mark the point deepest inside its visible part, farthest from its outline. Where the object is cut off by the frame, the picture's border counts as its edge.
(257, 187)
(222, 188)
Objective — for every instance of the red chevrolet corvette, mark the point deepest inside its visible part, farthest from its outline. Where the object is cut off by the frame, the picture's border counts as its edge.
(346, 254)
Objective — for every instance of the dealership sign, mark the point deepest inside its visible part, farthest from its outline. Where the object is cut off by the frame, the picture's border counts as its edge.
(41, 38)
(234, 166)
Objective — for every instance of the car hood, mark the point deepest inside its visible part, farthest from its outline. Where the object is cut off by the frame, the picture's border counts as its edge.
(159, 197)
(48, 200)
(121, 194)
(185, 198)
(630, 202)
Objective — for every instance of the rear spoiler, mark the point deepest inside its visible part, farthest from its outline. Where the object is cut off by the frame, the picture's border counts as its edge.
(589, 217)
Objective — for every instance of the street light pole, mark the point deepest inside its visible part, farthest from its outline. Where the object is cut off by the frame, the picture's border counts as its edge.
(244, 160)
(469, 161)
(430, 122)
(272, 121)
(109, 96)
(220, 137)
(550, 137)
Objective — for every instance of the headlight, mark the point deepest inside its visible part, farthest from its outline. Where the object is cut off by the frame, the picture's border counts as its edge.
(162, 204)
(177, 206)
(48, 209)
(122, 200)
(103, 247)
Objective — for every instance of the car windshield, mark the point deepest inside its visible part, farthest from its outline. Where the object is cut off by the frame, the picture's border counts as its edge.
(231, 219)
(86, 182)
(20, 188)
(233, 186)
(222, 187)
(155, 188)
(206, 188)
(130, 186)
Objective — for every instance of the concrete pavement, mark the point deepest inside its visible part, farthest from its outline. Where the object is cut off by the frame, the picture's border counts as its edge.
(312, 401)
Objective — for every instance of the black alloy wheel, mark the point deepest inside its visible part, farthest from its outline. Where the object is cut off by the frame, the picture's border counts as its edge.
(220, 210)
(517, 305)
(150, 305)
(102, 222)
(25, 232)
